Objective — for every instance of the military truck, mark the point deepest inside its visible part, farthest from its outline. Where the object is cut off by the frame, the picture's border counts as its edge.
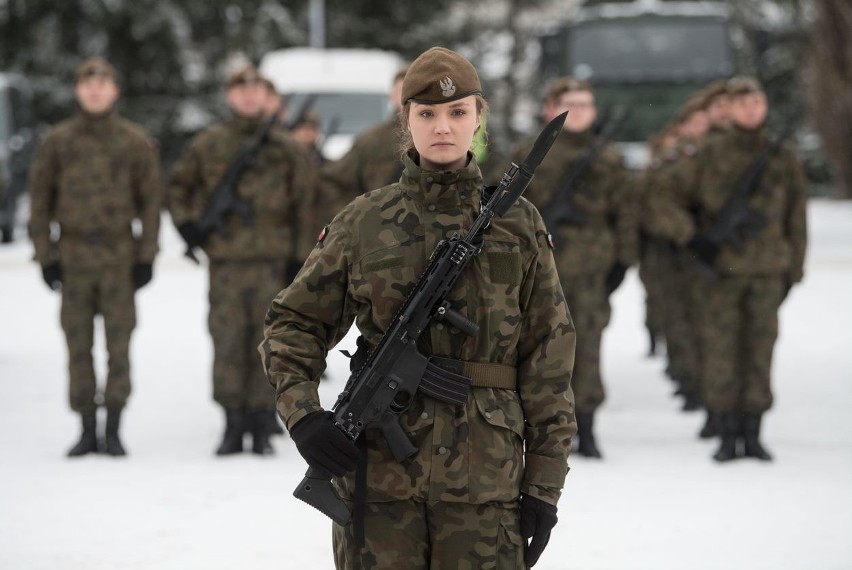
(17, 142)
(647, 55)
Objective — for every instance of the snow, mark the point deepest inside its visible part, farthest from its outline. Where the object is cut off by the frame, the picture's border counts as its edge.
(657, 501)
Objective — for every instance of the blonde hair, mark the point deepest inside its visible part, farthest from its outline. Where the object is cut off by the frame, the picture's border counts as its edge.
(406, 142)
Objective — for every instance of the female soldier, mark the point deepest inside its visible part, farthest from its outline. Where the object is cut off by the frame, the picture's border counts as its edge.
(487, 472)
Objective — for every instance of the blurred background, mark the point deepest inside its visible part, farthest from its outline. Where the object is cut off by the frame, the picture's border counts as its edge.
(647, 55)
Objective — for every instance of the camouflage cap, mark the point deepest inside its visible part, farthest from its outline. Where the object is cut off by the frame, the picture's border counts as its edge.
(94, 67)
(716, 89)
(743, 86)
(439, 75)
(248, 75)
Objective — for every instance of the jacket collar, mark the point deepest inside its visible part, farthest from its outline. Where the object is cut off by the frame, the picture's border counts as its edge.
(442, 188)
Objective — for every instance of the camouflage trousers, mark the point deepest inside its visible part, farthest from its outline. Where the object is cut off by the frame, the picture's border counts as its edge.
(650, 273)
(681, 318)
(86, 293)
(433, 536)
(737, 340)
(587, 300)
(240, 294)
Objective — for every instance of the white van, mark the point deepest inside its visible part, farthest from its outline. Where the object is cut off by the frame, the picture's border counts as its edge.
(348, 87)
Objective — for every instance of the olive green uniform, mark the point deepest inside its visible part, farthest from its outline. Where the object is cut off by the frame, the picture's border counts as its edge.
(248, 265)
(740, 303)
(372, 162)
(454, 503)
(586, 252)
(93, 177)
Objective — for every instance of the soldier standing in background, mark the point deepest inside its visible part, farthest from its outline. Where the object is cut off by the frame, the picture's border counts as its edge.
(93, 177)
(248, 266)
(742, 298)
(372, 162)
(682, 315)
(653, 251)
(306, 131)
(594, 251)
(488, 472)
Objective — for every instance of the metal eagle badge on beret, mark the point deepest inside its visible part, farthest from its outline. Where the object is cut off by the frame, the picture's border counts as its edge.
(448, 88)
(550, 241)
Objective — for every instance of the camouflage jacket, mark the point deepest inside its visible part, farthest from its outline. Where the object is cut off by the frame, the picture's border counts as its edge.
(604, 193)
(279, 184)
(667, 179)
(94, 176)
(501, 442)
(703, 186)
(371, 163)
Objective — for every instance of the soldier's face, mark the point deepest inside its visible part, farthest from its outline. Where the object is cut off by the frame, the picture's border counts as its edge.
(695, 126)
(443, 133)
(719, 112)
(96, 94)
(247, 100)
(581, 110)
(749, 111)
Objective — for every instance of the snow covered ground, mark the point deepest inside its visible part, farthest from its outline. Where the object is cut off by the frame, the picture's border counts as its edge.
(656, 502)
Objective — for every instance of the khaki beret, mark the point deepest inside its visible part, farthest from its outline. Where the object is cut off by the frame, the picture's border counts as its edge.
(95, 67)
(743, 86)
(248, 75)
(439, 75)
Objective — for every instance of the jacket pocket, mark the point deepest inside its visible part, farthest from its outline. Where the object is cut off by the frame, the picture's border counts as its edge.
(496, 445)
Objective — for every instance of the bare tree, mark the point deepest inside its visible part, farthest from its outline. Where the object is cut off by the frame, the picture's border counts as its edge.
(831, 70)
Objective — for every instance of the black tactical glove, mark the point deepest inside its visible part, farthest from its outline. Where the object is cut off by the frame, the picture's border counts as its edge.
(190, 234)
(142, 273)
(706, 250)
(537, 520)
(323, 445)
(615, 277)
(52, 275)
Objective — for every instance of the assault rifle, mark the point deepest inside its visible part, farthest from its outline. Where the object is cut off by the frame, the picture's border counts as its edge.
(385, 385)
(225, 199)
(737, 221)
(562, 207)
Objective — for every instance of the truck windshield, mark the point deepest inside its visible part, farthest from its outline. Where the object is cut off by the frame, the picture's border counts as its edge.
(650, 49)
(352, 112)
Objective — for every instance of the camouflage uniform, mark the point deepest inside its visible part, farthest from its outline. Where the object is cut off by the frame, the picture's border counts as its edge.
(372, 162)
(462, 486)
(585, 253)
(247, 267)
(740, 305)
(93, 176)
(682, 315)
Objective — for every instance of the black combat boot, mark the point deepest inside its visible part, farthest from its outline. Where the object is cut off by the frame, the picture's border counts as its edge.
(730, 425)
(691, 400)
(711, 426)
(111, 440)
(88, 440)
(259, 422)
(751, 437)
(232, 441)
(652, 344)
(586, 445)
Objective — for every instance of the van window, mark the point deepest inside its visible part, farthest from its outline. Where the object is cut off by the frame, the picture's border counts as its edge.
(22, 110)
(353, 112)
